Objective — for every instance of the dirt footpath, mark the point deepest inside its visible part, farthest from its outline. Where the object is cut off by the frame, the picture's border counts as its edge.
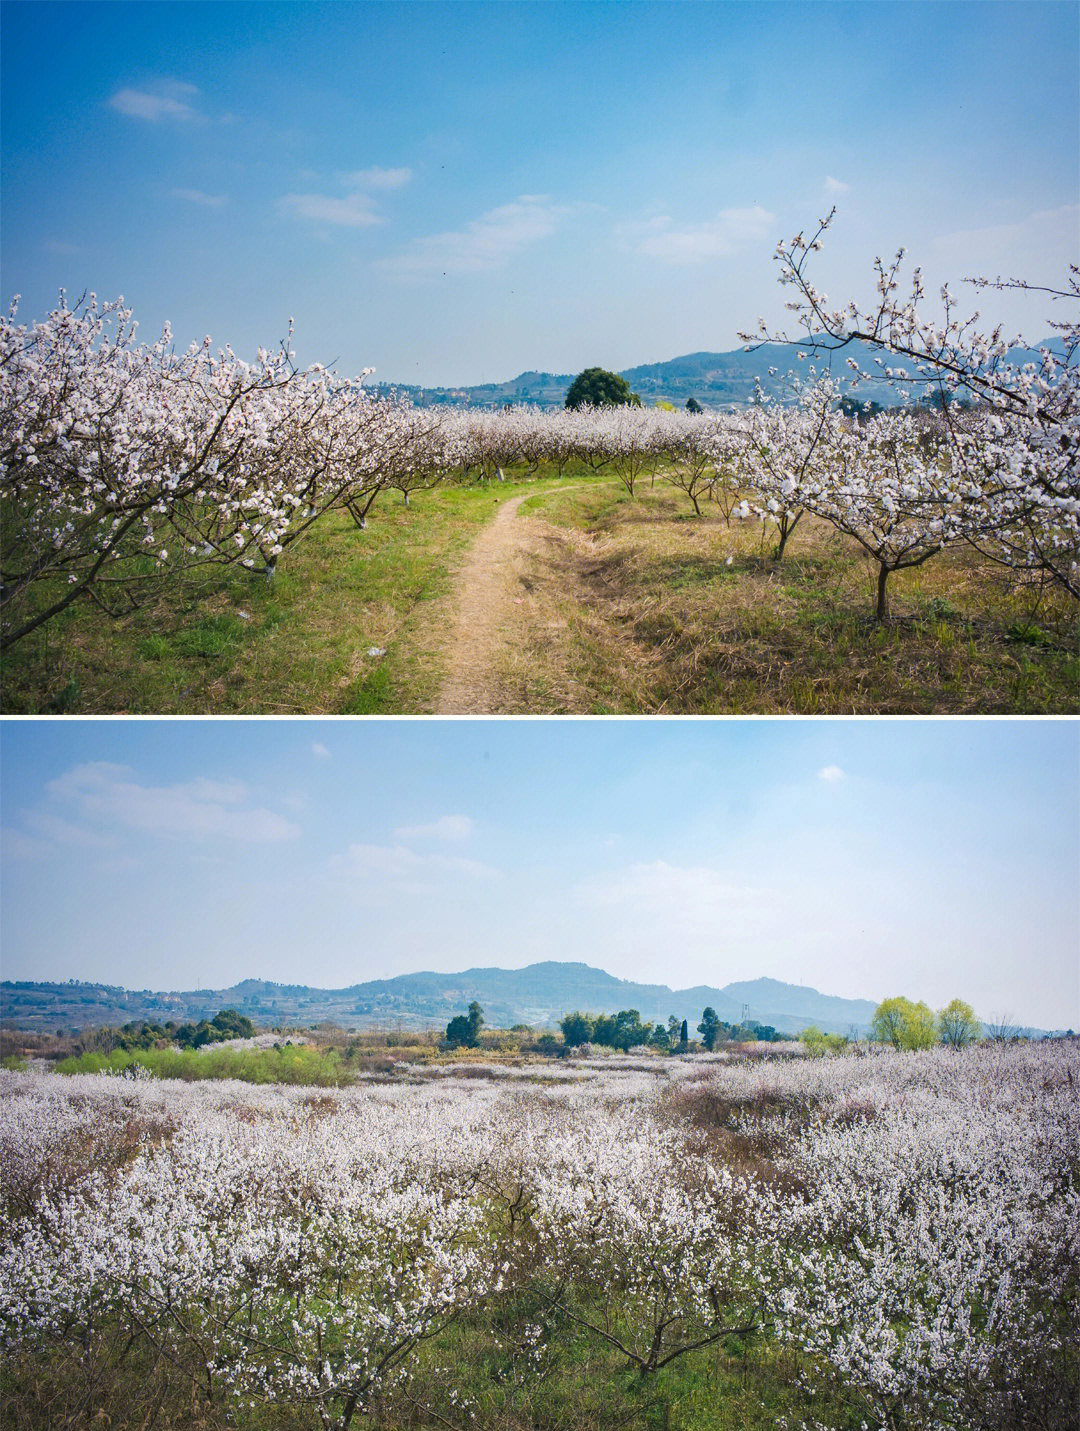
(488, 615)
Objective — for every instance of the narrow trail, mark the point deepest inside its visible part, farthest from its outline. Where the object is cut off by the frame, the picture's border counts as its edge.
(491, 613)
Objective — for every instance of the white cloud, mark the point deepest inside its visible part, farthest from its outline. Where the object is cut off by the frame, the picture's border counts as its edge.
(55, 828)
(730, 231)
(167, 100)
(830, 774)
(17, 845)
(397, 863)
(354, 211)
(836, 186)
(661, 887)
(376, 178)
(199, 808)
(486, 243)
(449, 827)
(196, 196)
(320, 750)
(1037, 239)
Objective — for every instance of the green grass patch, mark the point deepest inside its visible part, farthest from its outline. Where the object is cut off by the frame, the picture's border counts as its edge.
(655, 611)
(697, 617)
(291, 1063)
(224, 640)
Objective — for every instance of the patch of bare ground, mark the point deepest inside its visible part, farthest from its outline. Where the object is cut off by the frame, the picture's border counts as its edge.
(504, 652)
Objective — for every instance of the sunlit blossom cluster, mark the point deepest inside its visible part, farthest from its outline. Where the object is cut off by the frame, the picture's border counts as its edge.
(1001, 470)
(121, 462)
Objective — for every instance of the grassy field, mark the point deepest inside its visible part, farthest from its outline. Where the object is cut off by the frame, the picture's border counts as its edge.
(226, 642)
(627, 606)
(580, 1386)
(328, 1061)
(662, 611)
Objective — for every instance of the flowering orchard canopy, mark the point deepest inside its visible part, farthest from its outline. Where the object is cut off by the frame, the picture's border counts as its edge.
(908, 1222)
(123, 464)
(1006, 476)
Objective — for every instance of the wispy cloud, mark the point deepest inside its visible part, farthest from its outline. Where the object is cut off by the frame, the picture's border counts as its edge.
(165, 99)
(448, 827)
(354, 211)
(836, 186)
(398, 863)
(660, 887)
(320, 750)
(100, 794)
(376, 178)
(18, 845)
(487, 243)
(47, 825)
(196, 196)
(1042, 233)
(731, 230)
(831, 774)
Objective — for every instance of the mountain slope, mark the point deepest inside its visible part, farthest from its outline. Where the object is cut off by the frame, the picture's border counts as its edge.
(715, 379)
(538, 994)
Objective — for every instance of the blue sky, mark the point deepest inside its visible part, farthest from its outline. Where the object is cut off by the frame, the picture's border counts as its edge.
(455, 192)
(866, 858)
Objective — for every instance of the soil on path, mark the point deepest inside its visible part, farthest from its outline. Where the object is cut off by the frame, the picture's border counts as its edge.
(492, 615)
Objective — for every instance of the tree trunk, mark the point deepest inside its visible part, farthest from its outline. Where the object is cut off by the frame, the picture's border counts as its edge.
(882, 611)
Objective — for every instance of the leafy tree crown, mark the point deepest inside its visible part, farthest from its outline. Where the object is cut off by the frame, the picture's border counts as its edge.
(597, 387)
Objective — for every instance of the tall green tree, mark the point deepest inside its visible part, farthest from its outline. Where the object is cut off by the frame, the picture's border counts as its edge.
(660, 1037)
(476, 1021)
(577, 1028)
(596, 387)
(957, 1024)
(463, 1031)
(887, 1025)
(709, 1028)
(902, 1024)
(629, 1030)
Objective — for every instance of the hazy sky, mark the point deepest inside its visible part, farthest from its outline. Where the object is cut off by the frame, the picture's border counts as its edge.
(455, 192)
(866, 858)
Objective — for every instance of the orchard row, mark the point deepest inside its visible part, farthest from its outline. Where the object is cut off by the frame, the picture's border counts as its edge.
(123, 463)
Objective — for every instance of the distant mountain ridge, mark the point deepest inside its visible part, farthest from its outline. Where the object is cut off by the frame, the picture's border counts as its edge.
(538, 995)
(716, 380)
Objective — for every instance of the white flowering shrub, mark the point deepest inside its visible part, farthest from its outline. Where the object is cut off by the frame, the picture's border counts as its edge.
(910, 1223)
(930, 1250)
(122, 463)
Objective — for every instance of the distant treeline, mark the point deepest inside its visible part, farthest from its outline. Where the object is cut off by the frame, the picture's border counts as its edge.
(143, 1034)
(625, 1030)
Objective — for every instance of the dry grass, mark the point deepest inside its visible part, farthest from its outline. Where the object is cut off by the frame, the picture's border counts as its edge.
(600, 604)
(661, 612)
